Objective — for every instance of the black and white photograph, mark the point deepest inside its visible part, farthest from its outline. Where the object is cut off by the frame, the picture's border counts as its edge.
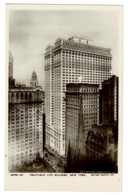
(64, 77)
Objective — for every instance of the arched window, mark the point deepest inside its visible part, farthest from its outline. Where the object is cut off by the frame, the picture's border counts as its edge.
(26, 96)
(38, 94)
(21, 95)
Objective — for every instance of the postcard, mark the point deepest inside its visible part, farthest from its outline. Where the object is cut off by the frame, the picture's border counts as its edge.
(64, 97)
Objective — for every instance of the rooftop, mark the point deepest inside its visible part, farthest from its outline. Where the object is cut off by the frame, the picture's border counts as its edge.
(103, 128)
(78, 44)
(24, 88)
(81, 84)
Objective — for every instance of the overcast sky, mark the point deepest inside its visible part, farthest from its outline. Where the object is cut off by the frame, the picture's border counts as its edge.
(30, 31)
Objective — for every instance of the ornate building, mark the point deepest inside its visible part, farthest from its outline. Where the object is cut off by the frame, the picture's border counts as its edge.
(34, 80)
(25, 136)
(65, 62)
(25, 133)
(102, 148)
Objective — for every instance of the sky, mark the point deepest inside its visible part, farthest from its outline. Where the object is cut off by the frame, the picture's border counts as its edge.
(30, 31)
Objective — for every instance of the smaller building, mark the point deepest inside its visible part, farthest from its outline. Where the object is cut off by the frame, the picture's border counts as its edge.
(101, 141)
(81, 113)
(101, 147)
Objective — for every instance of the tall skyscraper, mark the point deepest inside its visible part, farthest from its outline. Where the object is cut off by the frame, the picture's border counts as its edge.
(82, 106)
(69, 61)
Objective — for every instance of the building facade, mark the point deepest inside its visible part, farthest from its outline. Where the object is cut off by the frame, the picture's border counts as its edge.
(101, 148)
(109, 100)
(25, 129)
(82, 105)
(25, 135)
(65, 62)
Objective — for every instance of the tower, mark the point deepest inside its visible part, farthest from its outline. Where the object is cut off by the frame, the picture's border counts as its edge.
(34, 80)
(10, 67)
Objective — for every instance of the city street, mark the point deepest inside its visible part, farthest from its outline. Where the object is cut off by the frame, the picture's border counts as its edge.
(54, 161)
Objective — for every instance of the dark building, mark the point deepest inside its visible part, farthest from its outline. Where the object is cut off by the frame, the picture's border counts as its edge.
(109, 101)
(102, 140)
(101, 148)
(81, 113)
